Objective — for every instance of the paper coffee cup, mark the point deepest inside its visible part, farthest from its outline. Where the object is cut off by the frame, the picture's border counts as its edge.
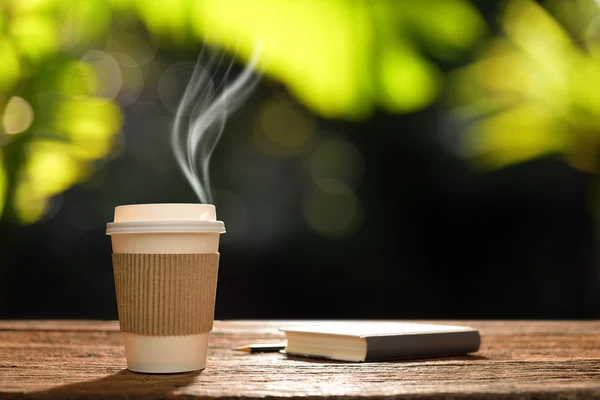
(165, 262)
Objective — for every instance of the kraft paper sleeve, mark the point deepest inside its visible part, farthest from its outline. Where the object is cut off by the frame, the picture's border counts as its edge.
(166, 294)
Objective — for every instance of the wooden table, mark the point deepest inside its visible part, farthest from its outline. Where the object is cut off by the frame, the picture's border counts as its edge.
(85, 359)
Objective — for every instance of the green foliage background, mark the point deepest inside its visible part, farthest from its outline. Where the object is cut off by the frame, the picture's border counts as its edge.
(531, 91)
(341, 58)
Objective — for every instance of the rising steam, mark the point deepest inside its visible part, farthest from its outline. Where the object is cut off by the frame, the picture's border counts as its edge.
(201, 117)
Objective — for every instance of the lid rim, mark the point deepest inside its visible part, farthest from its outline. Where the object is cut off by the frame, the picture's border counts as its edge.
(125, 227)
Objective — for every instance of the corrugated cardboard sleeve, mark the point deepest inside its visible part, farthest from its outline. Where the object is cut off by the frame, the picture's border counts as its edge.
(166, 294)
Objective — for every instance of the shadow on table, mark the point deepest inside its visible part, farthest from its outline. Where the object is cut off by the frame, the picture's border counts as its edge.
(124, 384)
(413, 361)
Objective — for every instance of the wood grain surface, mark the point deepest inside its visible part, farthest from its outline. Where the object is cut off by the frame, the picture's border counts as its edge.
(85, 359)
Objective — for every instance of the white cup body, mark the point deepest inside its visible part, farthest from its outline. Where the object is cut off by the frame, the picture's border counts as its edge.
(165, 354)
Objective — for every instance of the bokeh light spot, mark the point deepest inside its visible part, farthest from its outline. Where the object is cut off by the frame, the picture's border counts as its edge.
(128, 37)
(18, 116)
(332, 209)
(284, 125)
(133, 80)
(337, 159)
(172, 84)
(107, 72)
(282, 128)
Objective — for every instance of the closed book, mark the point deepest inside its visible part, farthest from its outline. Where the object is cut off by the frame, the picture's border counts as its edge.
(380, 341)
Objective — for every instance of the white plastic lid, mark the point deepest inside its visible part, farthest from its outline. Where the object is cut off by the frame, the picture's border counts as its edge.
(165, 218)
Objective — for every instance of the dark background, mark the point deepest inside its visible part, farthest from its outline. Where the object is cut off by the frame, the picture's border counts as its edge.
(434, 238)
(438, 240)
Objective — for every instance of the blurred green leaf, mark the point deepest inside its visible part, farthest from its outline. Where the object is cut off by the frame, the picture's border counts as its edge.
(331, 54)
(11, 68)
(409, 81)
(445, 27)
(35, 35)
(67, 60)
(541, 86)
(84, 22)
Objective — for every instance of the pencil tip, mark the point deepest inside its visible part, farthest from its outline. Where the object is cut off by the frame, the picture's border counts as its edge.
(247, 349)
